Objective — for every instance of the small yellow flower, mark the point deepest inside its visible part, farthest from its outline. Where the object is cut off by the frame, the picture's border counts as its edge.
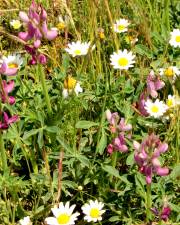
(70, 85)
(101, 33)
(61, 26)
(170, 72)
(16, 24)
(172, 101)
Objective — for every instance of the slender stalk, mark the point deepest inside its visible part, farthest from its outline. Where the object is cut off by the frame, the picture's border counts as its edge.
(114, 162)
(44, 87)
(3, 154)
(148, 203)
(112, 24)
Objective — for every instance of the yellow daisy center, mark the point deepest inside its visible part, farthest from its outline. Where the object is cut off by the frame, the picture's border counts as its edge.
(69, 83)
(170, 102)
(63, 218)
(178, 38)
(169, 72)
(77, 52)
(12, 65)
(154, 109)
(121, 27)
(94, 213)
(123, 62)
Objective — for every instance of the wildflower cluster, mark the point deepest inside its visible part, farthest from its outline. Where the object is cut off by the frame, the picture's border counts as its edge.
(157, 108)
(119, 128)
(63, 214)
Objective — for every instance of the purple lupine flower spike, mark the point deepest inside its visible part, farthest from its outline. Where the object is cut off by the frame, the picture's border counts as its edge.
(146, 156)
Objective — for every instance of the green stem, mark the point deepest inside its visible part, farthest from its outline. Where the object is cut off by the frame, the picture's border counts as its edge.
(114, 162)
(44, 87)
(148, 203)
(3, 153)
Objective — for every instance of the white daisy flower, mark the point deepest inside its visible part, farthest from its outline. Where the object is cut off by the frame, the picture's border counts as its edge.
(155, 109)
(175, 38)
(25, 221)
(78, 48)
(171, 72)
(172, 101)
(13, 61)
(93, 211)
(16, 24)
(121, 26)
(63, 215)
(70, 85)
(122, 59)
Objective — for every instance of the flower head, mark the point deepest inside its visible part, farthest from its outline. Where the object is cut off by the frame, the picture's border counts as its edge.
(93, 211)
(146, 156)
(16, 24)
(78, 48)
(11, 64)
(122, 60)
(25, 221)
(154, 84)
(171, 72)
(121, 25)
(155, 109)
(175, 38)
(70, 85)
(36, 24)
(172, 101)
(63, 215)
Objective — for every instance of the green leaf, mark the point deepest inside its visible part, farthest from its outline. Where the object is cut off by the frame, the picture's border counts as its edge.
(111, 170)
(143, 50)
(84, 160)
(130, 159)
(84, 124)
(52, 129)
(102, 143)
(30, 133)
(40, 139)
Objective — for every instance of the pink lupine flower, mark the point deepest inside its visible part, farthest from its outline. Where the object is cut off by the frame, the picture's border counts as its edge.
(36, 57)
(120, 143)
(141, 104)
(154, 84)
(146, 156)
(120, 129)
(7, 88)
(36, 23)
(123, 126)
(164, 214)
(7, 121)
(113, 119)
(110, 149)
